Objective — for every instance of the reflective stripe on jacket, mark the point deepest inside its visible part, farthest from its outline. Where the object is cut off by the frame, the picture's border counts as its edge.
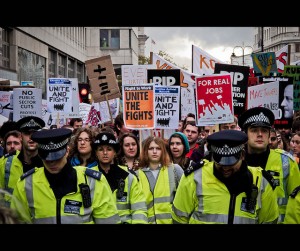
(160, 192)
(284, 164)
(42, 207)
(11, 169)
(202, 198)
(132, 206)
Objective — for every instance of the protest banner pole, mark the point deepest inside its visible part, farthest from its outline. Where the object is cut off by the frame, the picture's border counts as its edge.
(111, 118)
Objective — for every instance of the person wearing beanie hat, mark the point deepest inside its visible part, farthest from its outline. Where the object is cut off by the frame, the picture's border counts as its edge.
(257, 122)
(59, 193)
(178, 147)
(126, 189)
(224, 190)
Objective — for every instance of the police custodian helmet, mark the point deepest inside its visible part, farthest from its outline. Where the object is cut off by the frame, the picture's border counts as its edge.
(30, 123)
(256, 116)
(106, 138)
(52, 144)
(226, 146)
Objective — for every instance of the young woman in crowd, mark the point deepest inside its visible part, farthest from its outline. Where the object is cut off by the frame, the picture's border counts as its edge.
(159, 178)
(129, 154)
(178, 147)
(81, 153)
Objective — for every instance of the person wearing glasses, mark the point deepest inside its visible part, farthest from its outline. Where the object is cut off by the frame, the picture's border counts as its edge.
(14, 164)
(81, 152)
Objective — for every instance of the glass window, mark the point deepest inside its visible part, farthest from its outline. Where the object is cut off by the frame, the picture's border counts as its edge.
(52, 64)
(4, 48)
(32, 68)
(71, 68)
(110, 39)
(61, 66)
(80, 72)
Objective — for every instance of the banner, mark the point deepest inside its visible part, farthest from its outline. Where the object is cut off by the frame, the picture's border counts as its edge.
(203, 63)
(239, 78)
(167, 99)
(214, 99)
(265, 95)
(264, 63)
(187, 85)
(138, 106)
(282, 58)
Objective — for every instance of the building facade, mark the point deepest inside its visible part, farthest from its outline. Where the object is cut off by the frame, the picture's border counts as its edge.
(269, 39)
(37, 53)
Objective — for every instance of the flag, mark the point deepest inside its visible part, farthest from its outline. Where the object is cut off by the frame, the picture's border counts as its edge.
(203, 63)
(152, 41)
(282, 58)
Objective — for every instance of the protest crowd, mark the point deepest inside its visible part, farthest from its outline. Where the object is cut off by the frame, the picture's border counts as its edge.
(216, 164)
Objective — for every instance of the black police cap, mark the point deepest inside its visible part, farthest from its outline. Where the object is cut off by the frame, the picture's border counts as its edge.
(226, 146)
(256, 116)
(105, 138)
(30, 123)
(52, 143)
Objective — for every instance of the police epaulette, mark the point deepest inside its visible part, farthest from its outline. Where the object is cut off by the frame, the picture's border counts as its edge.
(269, 177)
(10, 154)
(93, 173)
(24, 175)
(193, 166)
(295, 191)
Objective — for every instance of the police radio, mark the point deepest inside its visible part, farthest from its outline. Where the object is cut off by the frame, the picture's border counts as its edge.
(251, 199)
(120, 191)
(86, 195)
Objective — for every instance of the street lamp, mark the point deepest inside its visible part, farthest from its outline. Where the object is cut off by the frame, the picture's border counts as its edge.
(243, 50)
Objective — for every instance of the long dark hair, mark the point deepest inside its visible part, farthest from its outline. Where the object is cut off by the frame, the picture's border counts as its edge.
(74, 145)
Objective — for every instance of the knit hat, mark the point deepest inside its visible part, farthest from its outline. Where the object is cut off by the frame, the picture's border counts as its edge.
(184, 141)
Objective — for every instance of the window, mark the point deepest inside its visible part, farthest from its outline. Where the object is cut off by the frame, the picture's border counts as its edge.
(110, 39)
(71, 68)
(80, 72)
(61, 66)
(4, 48)
(297, 47)
(52, 64)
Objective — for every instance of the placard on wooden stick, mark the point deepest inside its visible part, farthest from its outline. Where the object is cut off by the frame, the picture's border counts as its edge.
(102, 79)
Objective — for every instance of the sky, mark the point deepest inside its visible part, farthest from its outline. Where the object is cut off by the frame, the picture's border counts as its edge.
(217, 41)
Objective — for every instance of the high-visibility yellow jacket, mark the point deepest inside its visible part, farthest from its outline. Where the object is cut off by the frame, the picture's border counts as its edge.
(131, 200)
(34, 193)
(285, 170)
(292, 213)
(11, 169)
(160, 192)
(202, 198)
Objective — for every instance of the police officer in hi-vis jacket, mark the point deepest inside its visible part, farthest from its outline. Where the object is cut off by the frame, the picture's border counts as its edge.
(224, 190)
(57, 193)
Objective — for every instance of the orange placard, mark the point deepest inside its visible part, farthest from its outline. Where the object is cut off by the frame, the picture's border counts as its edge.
(138, 106)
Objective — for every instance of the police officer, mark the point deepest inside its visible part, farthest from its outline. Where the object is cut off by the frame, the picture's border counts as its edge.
(125, 186)
(256, 123)
(292, 213)
(57, 193)
(15, 163)
(224, 190)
